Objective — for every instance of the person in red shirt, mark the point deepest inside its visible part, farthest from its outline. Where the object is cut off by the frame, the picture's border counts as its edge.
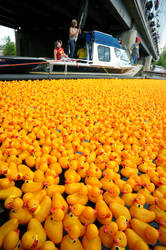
(59, 51)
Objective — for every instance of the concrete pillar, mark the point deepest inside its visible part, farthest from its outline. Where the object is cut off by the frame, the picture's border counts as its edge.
(147, 64)
(128, 38)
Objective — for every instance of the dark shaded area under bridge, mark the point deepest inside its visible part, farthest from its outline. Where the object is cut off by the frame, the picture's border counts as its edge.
(39, 23)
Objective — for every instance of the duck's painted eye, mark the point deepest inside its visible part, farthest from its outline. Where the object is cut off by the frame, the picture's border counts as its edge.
(51, 218)
(71, 215)
(117, 248)
(74, 241)
(26, 181)
(139, 205)
(13, 211)
(19, 245)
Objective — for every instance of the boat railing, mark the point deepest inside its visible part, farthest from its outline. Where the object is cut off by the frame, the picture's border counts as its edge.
(68, 62)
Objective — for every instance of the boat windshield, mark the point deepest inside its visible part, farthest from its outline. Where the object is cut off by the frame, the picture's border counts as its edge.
(124, 57)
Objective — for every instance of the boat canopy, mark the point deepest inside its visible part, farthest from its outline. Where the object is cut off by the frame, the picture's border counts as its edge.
(102, 38)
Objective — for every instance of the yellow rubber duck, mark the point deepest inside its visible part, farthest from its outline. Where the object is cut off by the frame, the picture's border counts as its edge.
(22, 215)
(91, 239)
(149, 234)
(119, 210)
(35, 235)
(107, 233)
(140, 213)
(134, 241)
(54, 228)
(6, 228)
(70, 244)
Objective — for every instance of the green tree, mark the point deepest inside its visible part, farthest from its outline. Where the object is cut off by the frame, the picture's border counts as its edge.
(9, 48)
(162, 60)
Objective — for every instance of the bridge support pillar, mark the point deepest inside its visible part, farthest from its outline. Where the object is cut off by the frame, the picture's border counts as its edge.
(147, 64)
(129, 38)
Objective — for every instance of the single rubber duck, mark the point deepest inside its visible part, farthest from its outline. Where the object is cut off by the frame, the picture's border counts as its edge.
(71, 176)
(109, 197)
(39, 176)
(13, 202)
(133, 197)
(93, 181)
(162, 229)
(128, 171)
(6, 183)
(107, 233)
(150, 199)
(93, 170)
(80, 197)
(91, 239)
(82, 169)
(119, 210)
(73, 187)
(41, 211)
(88, 215)
(106, 183)
(126, 189)
(94, 193)
(122, 223)
(35, 235)
(159, 213)
(120, 239)
(59, 202)
(26, 172)
(30, 198)
(148, 233)
(30, 186)
(23, 215)
(54, 228)
(5, 193)
(134, 241)
(71, 219)
(11, 240)
(54, 189)
(73, 231)
(104, 214)
(77, 209)
(140, 213)
(6, 228)
(70, 244)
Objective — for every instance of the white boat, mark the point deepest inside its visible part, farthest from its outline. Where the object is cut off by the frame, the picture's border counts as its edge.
(105, 55)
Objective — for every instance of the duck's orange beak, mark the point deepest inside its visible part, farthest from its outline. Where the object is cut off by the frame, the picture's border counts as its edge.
(34, 245)
(106, 230)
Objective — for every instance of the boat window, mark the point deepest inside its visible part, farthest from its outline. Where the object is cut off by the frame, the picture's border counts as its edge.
(103, 53)
(117, 52)
(124, 57)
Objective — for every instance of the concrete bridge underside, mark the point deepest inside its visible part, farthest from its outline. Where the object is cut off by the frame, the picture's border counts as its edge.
(39, 23)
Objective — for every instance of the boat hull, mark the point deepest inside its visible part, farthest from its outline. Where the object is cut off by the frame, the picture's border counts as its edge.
(9, 64)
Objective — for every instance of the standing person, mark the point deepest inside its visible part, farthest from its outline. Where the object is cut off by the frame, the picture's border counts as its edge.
(73, 34)
(135, 51)
(59, 51)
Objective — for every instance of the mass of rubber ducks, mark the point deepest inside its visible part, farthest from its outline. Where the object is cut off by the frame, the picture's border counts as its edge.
(83, 164)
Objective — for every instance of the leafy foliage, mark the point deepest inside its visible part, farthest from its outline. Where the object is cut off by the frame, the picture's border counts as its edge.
(162, 60)
(9, 48)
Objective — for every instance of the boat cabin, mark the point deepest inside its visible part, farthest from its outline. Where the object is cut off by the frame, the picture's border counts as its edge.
(104, 49)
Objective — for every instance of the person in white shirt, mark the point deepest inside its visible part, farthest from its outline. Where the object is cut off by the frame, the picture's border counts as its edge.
(73, 34)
